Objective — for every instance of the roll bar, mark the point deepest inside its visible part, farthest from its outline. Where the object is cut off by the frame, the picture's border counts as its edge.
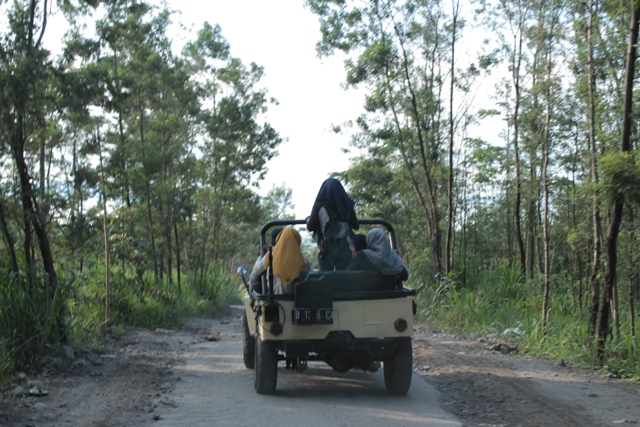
(287, 222)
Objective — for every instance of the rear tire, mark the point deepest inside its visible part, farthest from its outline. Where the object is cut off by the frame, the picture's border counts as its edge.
(265, 374)
(398, 369)
(248, 344)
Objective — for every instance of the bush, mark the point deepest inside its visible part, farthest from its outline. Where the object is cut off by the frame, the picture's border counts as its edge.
(502, 299)
(32, 327)
(31, 322)
(153, 304)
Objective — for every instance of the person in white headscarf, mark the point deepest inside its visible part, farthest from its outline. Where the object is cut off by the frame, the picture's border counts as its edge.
(379, 256)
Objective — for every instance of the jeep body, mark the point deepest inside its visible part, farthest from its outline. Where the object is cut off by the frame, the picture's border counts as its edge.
(347, 319)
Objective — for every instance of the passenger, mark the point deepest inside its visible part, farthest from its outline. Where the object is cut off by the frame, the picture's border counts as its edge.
(274, 236)
(379, 257)
(360, 261)
(286, 259)
(359, 244)
(332, 219)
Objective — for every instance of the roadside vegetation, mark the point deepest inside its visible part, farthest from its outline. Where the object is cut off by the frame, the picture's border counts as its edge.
(128, 168)
(504, 307)
(127, 176)
(28, 321)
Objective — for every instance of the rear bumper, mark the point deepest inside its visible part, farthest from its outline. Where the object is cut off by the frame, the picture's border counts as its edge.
(340, 341)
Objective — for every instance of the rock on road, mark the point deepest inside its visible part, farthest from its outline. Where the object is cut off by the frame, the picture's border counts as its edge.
(215, 389)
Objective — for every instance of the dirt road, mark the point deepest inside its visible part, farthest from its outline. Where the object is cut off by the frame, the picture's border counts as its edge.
(195, 376)
(216, 389)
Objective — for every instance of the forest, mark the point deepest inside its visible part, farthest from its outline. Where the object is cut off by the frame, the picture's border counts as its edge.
(129, 171)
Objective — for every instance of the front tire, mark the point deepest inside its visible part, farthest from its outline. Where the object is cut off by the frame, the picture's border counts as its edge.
(265, 374)
(248, 344)
(398, 369)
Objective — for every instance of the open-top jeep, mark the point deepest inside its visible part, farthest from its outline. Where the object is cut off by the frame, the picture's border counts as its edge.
(347, 319)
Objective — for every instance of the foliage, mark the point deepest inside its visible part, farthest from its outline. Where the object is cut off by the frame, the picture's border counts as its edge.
(28, 322)
(491, 303)
(124, 163)
(538, 197)
(502, 300)
(620, 176)
(277, 204)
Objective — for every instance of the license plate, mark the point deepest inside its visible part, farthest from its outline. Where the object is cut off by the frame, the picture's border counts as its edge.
(312, 316)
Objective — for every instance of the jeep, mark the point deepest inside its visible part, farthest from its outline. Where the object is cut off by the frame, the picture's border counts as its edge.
(347, 319)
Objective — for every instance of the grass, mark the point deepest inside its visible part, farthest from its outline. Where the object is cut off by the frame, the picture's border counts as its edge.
(29, 317)
(30, 322)
(151, 304)
(502, 299)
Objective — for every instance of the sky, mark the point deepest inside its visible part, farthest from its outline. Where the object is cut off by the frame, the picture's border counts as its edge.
(280, 35)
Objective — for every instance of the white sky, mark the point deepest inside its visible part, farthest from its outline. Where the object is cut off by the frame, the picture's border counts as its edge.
(281, 35)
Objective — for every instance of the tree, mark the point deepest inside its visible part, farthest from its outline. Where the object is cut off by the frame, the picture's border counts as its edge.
(517, 15)
(278, 203)
(27, 76)
(449, 239)
(235, 146)
(595, 266)
(405, 81)
(546, 149)
(618, 200)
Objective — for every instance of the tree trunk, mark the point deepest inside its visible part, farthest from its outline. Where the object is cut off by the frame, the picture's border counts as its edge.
(516, 63)
(147, 187)
(618, 202)
(154, 255)
(105, 235)
(545, 179)
(33, 218)
(633, 275)
(595, 264)
(42, 161)
(531, 235)
(448, 251)
(507, 193)
(190, 279)
(574, 222)
(175, 231)
(168, 232)
(9, 241)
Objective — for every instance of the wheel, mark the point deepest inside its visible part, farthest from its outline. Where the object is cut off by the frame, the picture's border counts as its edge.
(265, 373)
(398, 369)
(248, 344)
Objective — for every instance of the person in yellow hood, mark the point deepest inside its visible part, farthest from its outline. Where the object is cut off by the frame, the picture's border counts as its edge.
(286, 261)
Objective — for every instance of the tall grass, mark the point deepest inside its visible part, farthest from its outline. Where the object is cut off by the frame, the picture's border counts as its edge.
(502, 299)
(152, 304)
(29, 326)
(492, 304)
(30, 321)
